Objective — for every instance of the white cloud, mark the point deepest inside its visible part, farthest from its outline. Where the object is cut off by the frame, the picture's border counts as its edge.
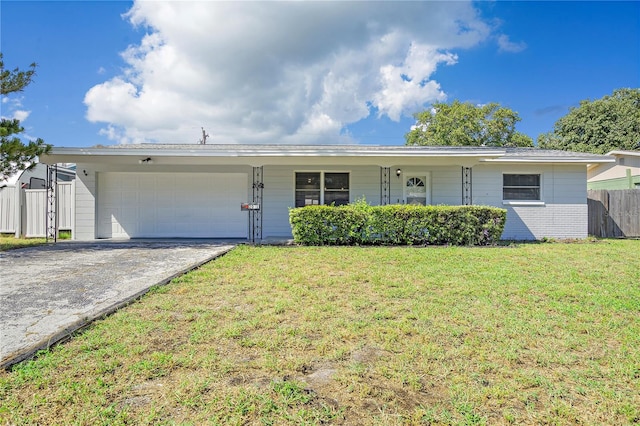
(405, 88)
(13, 102)
(13, 108)
(21, 115)
(278, 72)
(506, 45)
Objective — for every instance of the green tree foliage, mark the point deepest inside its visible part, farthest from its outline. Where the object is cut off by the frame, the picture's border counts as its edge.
(14, 154)
(465, 124)
(600, 126)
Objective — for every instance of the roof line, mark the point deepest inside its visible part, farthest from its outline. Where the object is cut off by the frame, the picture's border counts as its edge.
(621, 152)
(245, 152)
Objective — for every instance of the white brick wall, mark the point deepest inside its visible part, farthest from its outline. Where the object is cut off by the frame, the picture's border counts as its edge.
(564, 194)
(551, 220)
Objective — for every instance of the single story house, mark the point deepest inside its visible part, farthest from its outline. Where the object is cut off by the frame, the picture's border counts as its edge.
(624, 173)
(196, 191)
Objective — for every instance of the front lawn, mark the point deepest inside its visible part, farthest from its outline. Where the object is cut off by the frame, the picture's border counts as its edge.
(532, 333)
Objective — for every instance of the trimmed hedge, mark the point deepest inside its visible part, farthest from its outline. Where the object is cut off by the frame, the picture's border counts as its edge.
(362, 224)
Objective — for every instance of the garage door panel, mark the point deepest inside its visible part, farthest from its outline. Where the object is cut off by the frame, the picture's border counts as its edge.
(172, 205)
(147, 227)
(148, 196)
(129, 198)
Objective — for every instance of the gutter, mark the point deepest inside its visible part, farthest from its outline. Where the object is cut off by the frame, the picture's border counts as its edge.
(554, 160)
(125, 152)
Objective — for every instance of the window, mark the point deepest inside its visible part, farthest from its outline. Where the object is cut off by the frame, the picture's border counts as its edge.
(415, 191)
(333, 190)
(521, 187)
(37, 183)
(336, 188)
(307, 189)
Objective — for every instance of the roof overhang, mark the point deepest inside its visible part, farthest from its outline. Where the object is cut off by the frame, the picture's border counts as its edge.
(271, 155)
(261, 155)
(548, 160)
(622, 153)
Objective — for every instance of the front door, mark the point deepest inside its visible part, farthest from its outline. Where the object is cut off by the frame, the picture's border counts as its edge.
(416, 190)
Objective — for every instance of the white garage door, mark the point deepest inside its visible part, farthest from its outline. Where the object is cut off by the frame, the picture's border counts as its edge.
(162, 205)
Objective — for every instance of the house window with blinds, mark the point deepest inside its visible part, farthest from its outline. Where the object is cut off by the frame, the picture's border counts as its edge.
(521, 187)
(314, 188)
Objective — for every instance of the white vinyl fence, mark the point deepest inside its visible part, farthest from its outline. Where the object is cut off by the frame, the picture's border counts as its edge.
(9, 209)
(23, 212)
(66, 204)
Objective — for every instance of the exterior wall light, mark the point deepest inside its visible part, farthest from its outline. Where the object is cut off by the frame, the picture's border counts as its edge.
(398, 173)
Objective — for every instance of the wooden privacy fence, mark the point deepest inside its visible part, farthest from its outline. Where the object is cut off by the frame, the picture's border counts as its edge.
(614, 213)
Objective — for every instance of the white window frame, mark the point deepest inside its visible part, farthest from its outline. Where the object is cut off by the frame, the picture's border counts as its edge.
(322, 186)
(539, 202)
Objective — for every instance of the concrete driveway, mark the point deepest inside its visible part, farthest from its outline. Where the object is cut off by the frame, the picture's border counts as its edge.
(48, 292)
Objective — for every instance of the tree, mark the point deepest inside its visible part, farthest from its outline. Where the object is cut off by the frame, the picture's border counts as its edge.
(465, 124)
(14, 154)
(600, 126)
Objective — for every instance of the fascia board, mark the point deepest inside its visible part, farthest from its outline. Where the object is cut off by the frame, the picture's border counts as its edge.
(555, 160)
(631, 153)
(57, 154)
(261, 153)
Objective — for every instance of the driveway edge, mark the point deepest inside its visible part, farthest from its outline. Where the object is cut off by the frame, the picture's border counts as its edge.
(68, 331)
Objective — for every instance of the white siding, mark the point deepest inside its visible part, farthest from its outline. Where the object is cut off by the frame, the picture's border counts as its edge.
(85, 202)
(447, 186)
(279, 188)
(563, 213)
(615, 171)
(277, 198)
(365, 183)
(445, 183)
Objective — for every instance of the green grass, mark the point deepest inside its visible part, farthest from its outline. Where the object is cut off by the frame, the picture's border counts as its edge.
(9, 242)
(524, 334)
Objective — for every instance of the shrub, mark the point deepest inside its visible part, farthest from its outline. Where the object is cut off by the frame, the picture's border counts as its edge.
(360, 223)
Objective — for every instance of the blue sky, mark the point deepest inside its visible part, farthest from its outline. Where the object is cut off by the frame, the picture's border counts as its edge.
(331, 72)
